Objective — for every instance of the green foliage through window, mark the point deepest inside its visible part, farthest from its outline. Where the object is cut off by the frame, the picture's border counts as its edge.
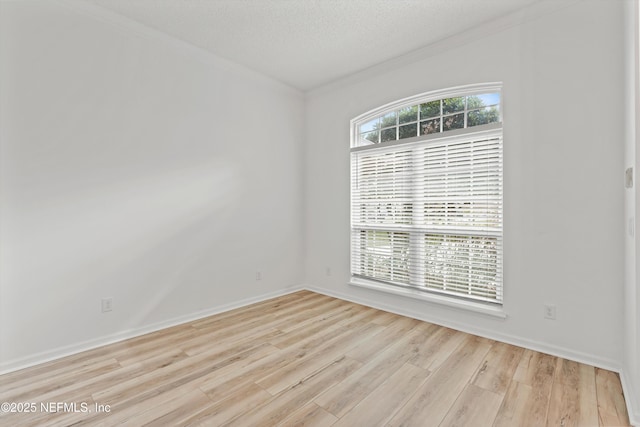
(431, 117)
(426, 213)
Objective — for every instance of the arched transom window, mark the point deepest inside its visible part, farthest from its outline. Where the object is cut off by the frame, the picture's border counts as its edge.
(426, 194)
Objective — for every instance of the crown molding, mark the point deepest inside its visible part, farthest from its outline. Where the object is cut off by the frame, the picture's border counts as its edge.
(130, 26)
(530, 13)
(488, 28)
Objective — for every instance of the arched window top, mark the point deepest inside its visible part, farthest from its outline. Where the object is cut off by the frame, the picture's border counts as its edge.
(430, 113)
(426, 198)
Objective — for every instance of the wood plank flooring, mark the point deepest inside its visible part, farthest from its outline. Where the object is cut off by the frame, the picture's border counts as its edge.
(306, 359)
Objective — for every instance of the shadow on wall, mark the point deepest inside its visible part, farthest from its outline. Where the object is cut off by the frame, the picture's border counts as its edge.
(119, 232)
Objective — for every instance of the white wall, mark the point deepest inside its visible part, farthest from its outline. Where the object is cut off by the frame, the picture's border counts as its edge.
(137, 168)
(631, 373)
(563, 168)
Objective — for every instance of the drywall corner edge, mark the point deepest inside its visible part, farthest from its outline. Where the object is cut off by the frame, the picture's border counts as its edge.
(133, 27)
(631, 397)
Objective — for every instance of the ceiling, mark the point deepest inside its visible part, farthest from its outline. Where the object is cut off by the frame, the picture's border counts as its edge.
(309, 43)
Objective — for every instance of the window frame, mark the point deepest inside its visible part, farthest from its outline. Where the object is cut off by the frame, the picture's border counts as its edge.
(494, 308)
(422, 98)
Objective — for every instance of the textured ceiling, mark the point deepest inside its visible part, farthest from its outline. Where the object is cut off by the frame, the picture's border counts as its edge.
(308, 43)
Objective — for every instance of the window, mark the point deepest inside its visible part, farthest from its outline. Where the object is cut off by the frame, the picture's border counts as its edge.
(426, 194)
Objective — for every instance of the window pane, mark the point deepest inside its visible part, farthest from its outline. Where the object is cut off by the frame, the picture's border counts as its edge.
(453, 122)
(407, 131)
(427, 213)
(384, 255)
(388, 135)
(430, 109)
(452, 105)
(477, 101)
(409, 114)
(483, 116)
(369, 137)
(473, 270)
(430, 126)
(388, 120)
(369, 126)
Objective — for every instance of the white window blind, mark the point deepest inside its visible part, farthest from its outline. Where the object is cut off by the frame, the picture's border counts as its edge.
(427, 213)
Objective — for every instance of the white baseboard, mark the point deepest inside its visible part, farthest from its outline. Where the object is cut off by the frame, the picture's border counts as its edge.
(57, 353)
(631, 397)
(563, 352)
(46, 356)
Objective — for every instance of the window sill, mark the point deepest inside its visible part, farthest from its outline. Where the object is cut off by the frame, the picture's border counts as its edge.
(490, 310)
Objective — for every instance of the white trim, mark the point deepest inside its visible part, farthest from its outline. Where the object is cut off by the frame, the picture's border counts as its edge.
(632, 399)
(416, 100)
(68, 350)
(43, 357)
(427, 316)
(434, 95)
(46, 356)
(488, 309)
(129, 26)
(490, 130)
(359, 222)
(522, 16)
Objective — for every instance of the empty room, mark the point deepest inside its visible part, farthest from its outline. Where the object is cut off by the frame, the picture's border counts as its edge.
(319, 212)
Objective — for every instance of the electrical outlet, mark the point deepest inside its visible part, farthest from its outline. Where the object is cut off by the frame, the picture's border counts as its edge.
(107, 304)
(258, 275)
(550, 311)
(327, 271)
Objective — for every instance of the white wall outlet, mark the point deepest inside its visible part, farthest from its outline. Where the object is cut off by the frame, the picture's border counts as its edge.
(628, 178)
(258, 275)
(550, 311)
(327, 271)
(107, 304)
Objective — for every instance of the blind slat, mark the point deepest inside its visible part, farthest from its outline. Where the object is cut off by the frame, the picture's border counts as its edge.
(429, 215)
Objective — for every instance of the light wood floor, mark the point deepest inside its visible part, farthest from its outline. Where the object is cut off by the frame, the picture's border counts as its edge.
(308, 359)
